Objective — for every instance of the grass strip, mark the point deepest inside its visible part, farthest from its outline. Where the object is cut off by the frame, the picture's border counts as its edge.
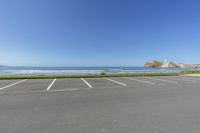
(190, 72)
(89, 75)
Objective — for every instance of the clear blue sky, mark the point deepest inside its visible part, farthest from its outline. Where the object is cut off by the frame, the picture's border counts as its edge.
(98, 32)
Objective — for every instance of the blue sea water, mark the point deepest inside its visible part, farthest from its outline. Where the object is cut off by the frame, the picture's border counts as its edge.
(83, 70)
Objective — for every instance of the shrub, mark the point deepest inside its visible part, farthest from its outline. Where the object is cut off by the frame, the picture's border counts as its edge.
(102, 73)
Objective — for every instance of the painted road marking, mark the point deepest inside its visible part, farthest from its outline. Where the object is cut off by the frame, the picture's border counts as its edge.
(40, 91)
(12, 84)
(49, 87)
(190, 78)
(140, 80)
(178, 78)
(86, 83)
(116, 81)
(161, 80)
(60, 90)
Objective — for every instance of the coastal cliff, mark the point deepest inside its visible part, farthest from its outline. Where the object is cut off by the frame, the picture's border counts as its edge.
(159, 64)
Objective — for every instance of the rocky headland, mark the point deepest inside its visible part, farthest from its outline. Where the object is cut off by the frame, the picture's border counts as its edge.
(170, 64)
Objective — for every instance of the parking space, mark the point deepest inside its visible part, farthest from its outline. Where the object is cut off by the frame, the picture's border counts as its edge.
(179, 79)
(5, 82)
(102, 83)
(158, 80)
(197, 79)
(29, 85)
(142, 81)
(48, 85)
(129, 82)
(61, 84)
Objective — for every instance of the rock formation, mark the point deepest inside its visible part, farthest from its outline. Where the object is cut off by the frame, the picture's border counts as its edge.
(153, 64)
(159, 64)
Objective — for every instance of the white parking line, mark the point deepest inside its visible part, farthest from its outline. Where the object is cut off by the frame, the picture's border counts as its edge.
(140, 80)
(190, 78)
(115, 81)
(178, 78)
(49, 87)
(12, 84)
(161, 80)
(86, 83)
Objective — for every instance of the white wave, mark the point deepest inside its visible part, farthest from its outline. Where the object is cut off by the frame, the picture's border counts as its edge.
(48, 72)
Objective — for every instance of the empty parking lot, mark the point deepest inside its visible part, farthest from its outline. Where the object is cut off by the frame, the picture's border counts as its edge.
(101, 105)
(53, 85)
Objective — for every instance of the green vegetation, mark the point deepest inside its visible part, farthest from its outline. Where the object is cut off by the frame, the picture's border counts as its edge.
(191, 72)
(88, 75)
(100, 75)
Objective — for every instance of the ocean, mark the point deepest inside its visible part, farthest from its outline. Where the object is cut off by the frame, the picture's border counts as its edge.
(83, 70)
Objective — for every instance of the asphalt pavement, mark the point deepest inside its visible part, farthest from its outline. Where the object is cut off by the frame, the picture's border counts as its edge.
(101, 105)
